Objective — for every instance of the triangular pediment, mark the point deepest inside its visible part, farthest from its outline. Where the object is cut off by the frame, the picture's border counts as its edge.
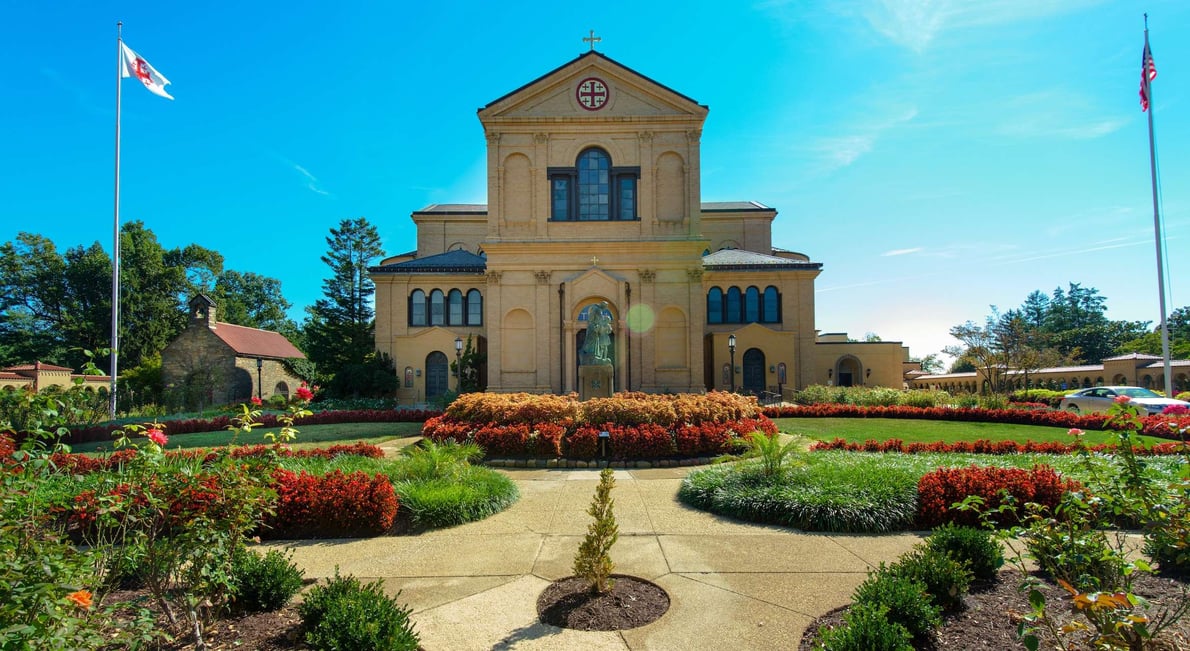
(592, 86)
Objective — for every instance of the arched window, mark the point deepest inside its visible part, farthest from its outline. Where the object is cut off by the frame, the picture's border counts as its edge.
(751, 305)
(417, 308)
(455, 301)
(474, 308)
(593, 190)
(715, 305)
(733, 306)
(437, 308)
(594, 186)
(772, 305)
(408, 377)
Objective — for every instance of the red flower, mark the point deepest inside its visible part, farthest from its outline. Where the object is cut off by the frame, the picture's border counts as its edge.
(304, 393)
(1122, 400)
(256, 401)
(157, 436)
(81, 598)
(1074, 431)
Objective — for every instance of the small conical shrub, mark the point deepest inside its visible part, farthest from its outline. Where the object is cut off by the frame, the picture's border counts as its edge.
(593, 561)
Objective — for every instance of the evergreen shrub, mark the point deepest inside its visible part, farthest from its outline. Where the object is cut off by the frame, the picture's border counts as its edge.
(263, 583)
(345, 615)
(975, 548)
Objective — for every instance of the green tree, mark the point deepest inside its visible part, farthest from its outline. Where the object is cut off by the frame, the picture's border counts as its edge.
(982, 347)
(339, 328)
(155, 284)
(251, 300)
(472, 361)
(930, 363)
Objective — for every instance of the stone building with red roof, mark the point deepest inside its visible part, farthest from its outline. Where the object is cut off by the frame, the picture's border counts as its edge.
(216, 363)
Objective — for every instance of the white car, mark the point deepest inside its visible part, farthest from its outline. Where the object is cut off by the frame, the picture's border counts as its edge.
(1099, 399)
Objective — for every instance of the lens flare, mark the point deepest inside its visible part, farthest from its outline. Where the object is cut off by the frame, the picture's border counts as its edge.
(641, 318)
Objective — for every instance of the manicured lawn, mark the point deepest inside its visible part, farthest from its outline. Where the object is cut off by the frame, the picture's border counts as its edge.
(858, 430)
(308, 436)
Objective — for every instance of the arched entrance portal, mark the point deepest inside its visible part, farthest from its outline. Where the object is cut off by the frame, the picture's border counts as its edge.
(848, 371)
(753, 371)
(437, 375)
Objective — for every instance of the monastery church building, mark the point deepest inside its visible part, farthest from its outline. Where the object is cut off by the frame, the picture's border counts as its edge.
(594, 198)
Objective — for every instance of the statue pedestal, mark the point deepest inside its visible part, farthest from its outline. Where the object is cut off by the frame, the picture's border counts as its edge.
(596, 381)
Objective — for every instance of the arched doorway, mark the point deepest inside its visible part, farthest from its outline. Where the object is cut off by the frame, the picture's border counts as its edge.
(753, 380)
(848, 371)
(437, 375)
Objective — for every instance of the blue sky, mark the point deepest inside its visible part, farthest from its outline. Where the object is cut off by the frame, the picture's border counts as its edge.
(937, 156)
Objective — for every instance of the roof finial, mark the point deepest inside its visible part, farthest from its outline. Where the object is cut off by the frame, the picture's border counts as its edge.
(592, 39)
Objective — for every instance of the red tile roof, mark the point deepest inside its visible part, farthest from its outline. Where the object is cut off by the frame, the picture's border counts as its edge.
(38, 366)
(253, 342)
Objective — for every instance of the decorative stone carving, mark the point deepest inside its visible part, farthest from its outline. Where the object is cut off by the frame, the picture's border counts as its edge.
(541, 138)
(543, 277)
(694, 274)
(493, 138)
(494, 277)
(645, 137)
(647, 275)
(693, 135)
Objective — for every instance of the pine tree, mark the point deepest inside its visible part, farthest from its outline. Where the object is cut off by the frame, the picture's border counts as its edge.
(593, 561)
(340, 327)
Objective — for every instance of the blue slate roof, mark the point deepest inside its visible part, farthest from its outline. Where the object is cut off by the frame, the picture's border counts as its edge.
(455, 262)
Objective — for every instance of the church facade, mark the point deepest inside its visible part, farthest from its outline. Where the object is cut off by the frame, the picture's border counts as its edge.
(594, 200)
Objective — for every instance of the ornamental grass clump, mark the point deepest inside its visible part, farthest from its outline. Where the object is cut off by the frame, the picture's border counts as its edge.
(593, 561)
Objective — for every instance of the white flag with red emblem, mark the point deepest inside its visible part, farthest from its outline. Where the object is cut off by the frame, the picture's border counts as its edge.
(136, 66)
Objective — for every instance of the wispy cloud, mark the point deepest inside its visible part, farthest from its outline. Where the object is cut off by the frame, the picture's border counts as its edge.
(895, 252)
(836, 152)
(311, 181)
(1055, 113)
(915, 24)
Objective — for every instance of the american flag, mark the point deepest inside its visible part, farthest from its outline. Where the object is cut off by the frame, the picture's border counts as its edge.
(1148, 72)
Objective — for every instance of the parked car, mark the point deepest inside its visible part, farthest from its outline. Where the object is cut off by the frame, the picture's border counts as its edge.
(1099, 399)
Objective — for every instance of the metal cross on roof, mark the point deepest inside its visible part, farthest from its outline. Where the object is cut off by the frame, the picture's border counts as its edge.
(592, 39)
(594, 261)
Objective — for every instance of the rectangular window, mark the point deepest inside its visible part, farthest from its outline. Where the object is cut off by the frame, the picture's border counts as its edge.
(560, 198)
(627, 199)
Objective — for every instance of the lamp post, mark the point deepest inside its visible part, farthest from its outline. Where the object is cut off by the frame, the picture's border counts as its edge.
(731, 349)
(459, 364)
(259, 384)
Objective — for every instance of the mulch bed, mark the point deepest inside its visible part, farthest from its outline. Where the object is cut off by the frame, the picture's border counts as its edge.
(632, 602)
(992, 612)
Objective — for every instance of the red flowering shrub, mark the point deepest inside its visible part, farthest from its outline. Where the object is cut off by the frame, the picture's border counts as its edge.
(335, 505)
(1160, 426)
(983, 446)
(937, 491)
(583, 443)
(640, 425)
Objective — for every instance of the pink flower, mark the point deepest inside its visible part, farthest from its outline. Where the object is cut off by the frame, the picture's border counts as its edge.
(304, 393)
(1122, 400)
(256, 401)
(1074, 431)
(1176, 410)
(157, 436)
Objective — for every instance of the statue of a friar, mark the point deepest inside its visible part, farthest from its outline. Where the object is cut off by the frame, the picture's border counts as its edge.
(597, 347)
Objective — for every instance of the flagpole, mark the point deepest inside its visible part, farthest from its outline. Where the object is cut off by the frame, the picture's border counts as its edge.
(116, 237)
(1157, 230)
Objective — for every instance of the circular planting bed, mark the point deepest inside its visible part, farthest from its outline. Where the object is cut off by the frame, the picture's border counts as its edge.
(625, 427)
(631, 602)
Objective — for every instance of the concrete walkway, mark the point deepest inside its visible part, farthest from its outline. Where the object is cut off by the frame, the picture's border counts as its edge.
(732, 585)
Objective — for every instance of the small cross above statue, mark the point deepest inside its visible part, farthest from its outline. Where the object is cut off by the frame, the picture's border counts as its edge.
(594, 261)
(592, 39)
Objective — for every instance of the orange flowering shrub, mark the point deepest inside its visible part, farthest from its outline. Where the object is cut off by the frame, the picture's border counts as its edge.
(640, 425)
